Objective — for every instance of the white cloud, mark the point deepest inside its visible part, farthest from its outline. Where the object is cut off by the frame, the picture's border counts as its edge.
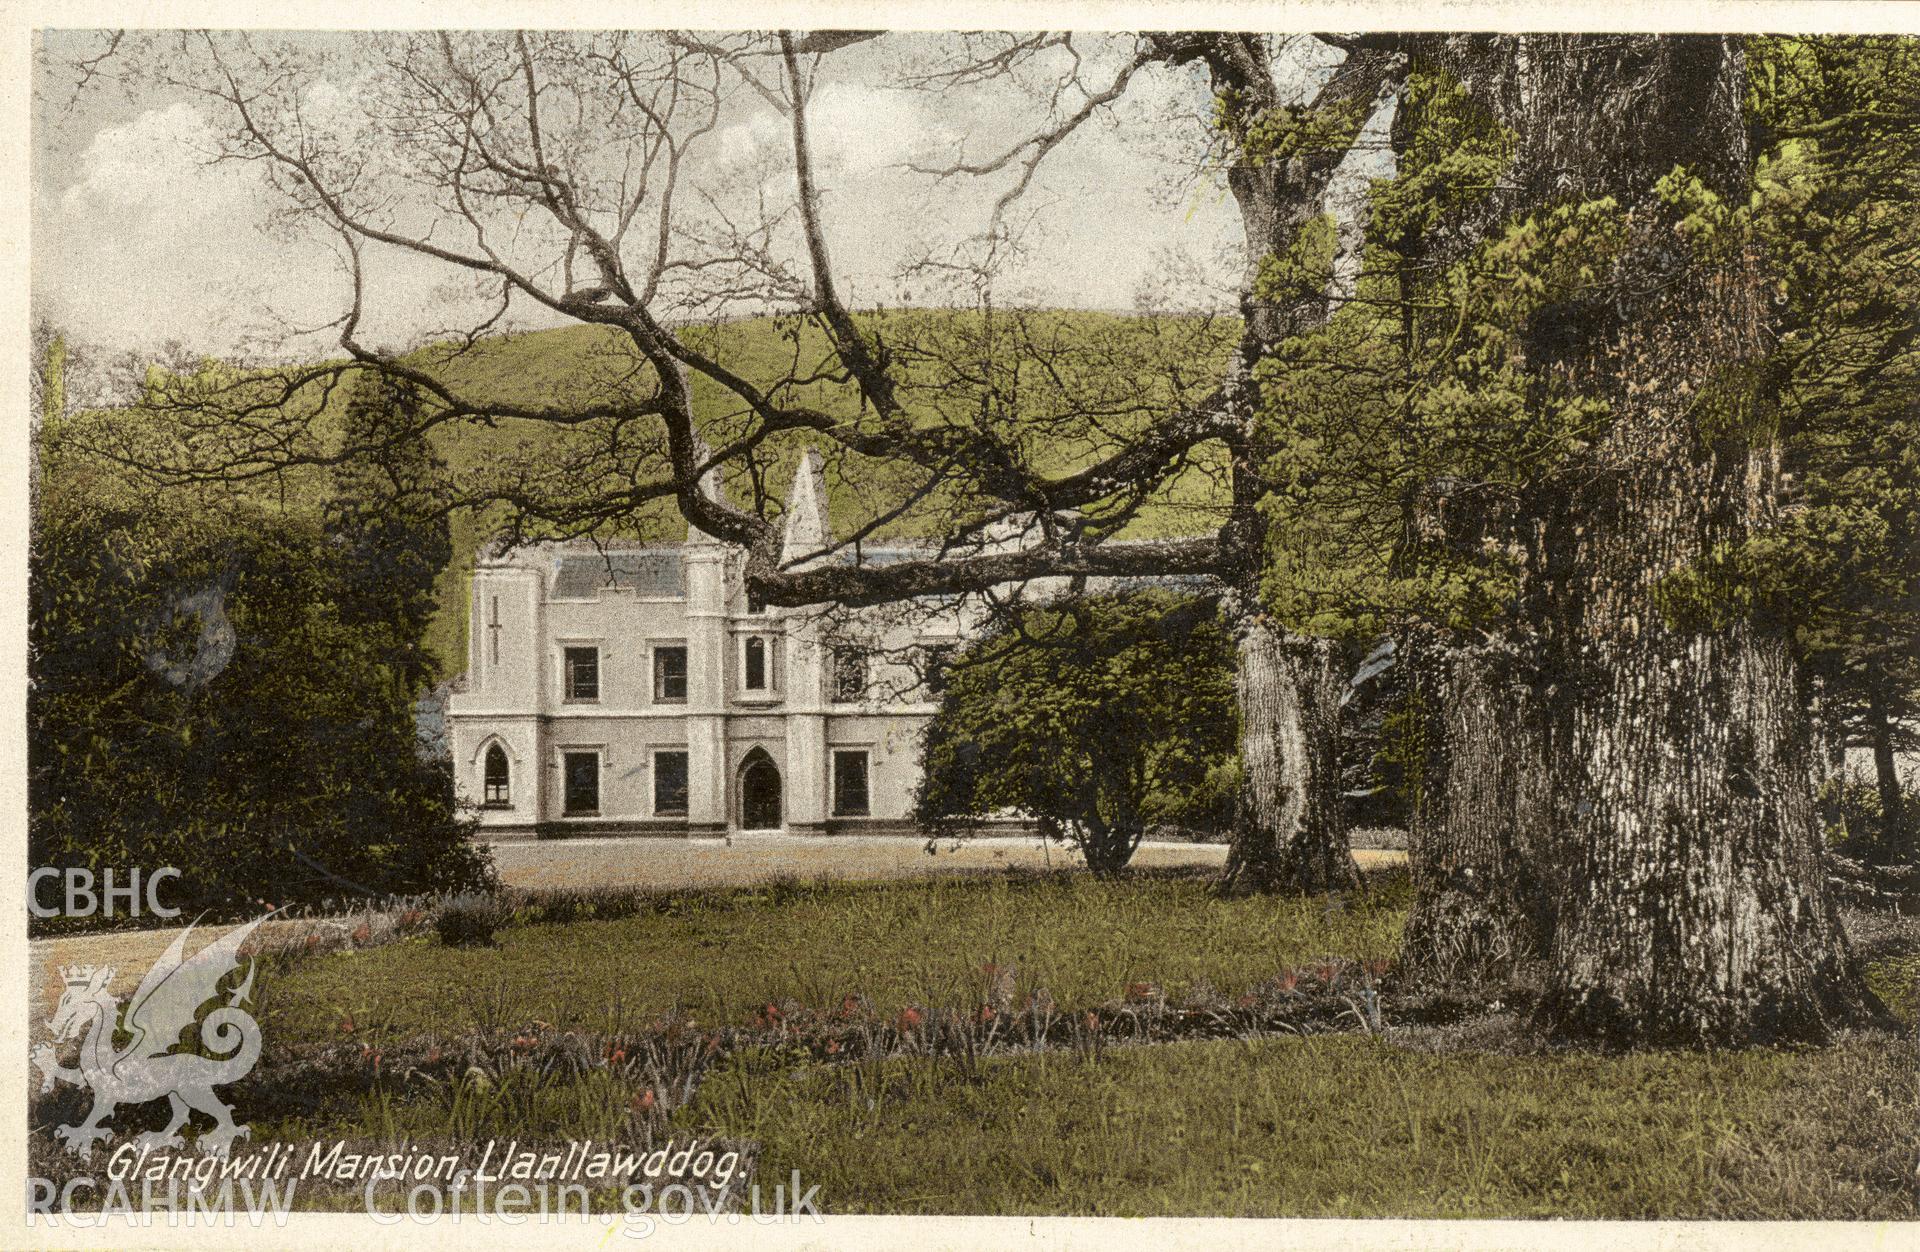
(749, 143)
(152, 171)
(138, 238)
(150, 240)
(863, 128)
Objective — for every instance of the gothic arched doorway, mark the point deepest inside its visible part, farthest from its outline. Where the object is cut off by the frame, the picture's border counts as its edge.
(759, 792)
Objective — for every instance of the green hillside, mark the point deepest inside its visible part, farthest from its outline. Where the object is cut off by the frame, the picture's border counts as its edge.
(1126, 367)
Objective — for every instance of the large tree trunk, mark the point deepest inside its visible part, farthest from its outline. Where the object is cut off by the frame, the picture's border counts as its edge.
(1289, 831)
(1704, 915)
(1681, 860)
(1482, 910)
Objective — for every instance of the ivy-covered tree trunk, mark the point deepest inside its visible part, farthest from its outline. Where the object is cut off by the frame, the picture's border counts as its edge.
(1289, 833)
(1479, 703)
(1685, 895)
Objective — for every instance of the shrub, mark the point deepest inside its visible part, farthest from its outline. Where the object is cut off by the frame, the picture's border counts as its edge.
(224, 681)
(469, 920)
(1850, 806)
(1096, 718)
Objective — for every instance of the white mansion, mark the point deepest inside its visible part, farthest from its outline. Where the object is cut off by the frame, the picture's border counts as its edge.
(635, 689)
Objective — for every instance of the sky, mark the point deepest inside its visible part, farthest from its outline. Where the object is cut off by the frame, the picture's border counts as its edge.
(139, 238)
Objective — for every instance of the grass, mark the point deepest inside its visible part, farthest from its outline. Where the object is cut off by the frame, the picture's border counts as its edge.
(1318, 1124)
(1340, 1126)
(1896, 980)
(720, 956)
(1330, 1126)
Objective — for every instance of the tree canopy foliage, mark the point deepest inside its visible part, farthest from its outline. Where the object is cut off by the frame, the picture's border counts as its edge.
(231, 691)
(1839, 222)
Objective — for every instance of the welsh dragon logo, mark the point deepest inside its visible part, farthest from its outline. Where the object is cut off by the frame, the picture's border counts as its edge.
(161, 1011)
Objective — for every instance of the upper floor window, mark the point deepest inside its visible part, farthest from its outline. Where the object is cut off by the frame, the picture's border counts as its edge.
(756, 603)
(756, 664)
(583, 673)
(849, 673)
(497, 790)
(934, 661)
(670, 675)
(493, 630)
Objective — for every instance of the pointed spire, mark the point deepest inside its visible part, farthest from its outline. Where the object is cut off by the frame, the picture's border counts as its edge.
(806, 525)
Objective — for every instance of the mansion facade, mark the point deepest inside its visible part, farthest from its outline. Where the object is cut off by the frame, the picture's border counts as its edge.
(630, 689)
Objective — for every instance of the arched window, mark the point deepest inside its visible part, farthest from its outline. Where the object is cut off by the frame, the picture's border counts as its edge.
(756, 663)
(497, 788)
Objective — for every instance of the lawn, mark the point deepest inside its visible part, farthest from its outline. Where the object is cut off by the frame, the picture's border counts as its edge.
(721, 956)
(723, 1015)
(1342, 1126)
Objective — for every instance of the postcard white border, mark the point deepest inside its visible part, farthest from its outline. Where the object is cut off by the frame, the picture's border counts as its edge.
(924, 1234)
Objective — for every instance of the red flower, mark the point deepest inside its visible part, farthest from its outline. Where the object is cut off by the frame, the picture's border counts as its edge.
(909, 1019)
(643, 1102)
(433, 1055)
(363, 932)
(524, 1043)
(619, 1057)
(346, 1024)
(833, 1046)
(986, 1014)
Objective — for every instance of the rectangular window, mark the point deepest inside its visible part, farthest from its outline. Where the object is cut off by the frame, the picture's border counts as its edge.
(670, 784)
(756, 663)
(583, 782)
(583, 674)
(850, 784)
(933, 668)
(670, 675)
(849, 674)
